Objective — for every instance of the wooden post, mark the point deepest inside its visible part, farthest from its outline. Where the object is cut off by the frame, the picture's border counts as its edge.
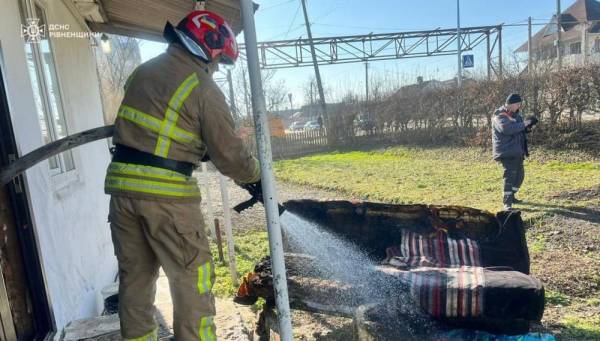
(228, 229)
(209, 208)
(219, 241)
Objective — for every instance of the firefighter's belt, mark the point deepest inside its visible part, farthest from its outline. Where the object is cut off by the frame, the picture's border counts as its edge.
(126, 154)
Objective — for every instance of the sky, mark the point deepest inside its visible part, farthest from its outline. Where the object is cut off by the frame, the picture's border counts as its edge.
(283, 19)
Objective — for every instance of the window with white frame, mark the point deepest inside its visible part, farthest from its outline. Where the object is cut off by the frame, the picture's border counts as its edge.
(45, 84)
(575, 48)
(597, 45)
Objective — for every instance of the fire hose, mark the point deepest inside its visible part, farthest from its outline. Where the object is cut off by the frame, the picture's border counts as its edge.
(20, 165)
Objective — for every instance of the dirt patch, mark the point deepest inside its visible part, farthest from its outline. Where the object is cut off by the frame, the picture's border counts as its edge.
(565, 251)
(568, 273)
(234, 322)
(320, 327)
(578, 195)
(571, 230)
(554, 319)
(254, 218)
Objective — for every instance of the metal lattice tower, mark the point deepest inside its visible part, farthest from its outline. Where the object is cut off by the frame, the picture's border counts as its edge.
(382, 46)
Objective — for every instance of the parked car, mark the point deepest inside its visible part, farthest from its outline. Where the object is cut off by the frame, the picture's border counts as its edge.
(297, 126)
(311, 125)
(364, 122)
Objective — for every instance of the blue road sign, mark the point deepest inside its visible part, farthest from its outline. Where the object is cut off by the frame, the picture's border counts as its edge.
(468, 61)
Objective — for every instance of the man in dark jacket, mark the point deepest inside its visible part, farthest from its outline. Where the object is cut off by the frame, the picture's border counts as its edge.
(510, 145)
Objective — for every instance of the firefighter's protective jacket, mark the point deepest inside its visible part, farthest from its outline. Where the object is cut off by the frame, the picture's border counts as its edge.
(173, 109)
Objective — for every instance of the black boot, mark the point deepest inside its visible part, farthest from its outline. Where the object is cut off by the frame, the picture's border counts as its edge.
(508, 200)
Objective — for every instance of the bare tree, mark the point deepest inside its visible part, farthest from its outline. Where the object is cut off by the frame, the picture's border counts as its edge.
(114, 69)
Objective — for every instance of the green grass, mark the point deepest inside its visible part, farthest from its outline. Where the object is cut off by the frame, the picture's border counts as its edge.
(578, 328)
(250, 247)
(557, 298)
(536, 242)
(446, 176)
(593, 302)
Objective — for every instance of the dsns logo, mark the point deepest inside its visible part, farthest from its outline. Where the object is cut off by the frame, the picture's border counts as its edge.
(33, 31)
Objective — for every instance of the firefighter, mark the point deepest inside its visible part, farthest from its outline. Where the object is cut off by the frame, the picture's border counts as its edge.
(510, 145)
(173, 114)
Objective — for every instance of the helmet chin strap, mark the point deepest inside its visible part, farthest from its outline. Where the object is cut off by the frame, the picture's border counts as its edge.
(192, 46)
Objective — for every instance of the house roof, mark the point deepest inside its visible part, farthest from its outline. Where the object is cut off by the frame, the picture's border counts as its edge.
(581, 11)
(146, 19)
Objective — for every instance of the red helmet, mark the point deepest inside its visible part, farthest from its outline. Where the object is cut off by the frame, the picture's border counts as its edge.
(206, 35)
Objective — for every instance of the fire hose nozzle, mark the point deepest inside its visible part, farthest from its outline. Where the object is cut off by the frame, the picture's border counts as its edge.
(255, 190)
(239, 208)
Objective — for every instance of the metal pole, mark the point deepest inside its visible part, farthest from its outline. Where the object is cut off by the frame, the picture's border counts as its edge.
(210, 217)
(489, 57)
(228, 229)
(246, 97)
(500, 68)
(266, 166)
(531, 81)
(312, 105)
(558, 35)
(585, 42)
(232, 97)
(316, 65)
(367, 83)
(367, 90)
(529, 54)
(458, 44)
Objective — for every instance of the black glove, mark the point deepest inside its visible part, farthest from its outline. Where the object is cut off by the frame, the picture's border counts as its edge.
(530, 122)
(255, 190)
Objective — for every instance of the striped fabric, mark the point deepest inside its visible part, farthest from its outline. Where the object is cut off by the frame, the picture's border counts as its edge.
(445, 274)
(448, 292)
(439, 250)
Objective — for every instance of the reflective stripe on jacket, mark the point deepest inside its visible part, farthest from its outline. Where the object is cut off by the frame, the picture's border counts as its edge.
(173, 109)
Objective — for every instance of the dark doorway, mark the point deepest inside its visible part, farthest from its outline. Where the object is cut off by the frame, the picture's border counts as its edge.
(23, 298)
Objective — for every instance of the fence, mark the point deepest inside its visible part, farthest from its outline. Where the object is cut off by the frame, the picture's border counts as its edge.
(294, 144)
(584, 137)
(297, 144)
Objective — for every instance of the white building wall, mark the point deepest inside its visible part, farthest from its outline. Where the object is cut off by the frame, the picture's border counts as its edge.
(69, 211)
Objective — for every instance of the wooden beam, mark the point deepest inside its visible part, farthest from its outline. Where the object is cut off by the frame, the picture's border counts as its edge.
(127, 30)
(102, 11)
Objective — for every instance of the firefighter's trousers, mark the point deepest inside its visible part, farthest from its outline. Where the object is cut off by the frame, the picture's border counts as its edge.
(151, 234)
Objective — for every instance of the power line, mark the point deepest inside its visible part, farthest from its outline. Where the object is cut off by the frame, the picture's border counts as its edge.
(293, 21)
(360, 27)
(276, 5)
